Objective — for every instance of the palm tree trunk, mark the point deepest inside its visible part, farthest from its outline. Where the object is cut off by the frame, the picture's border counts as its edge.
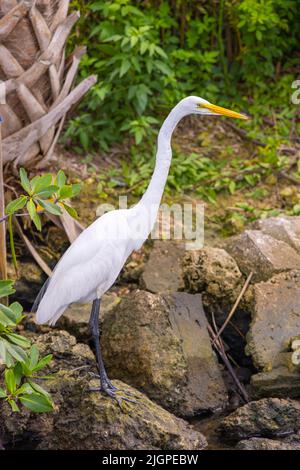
(37, 77)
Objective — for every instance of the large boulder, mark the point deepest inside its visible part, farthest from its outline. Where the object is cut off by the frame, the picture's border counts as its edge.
(268, 417)
(76, 317)
(160, 345)
(163, 273)
(278, 382)
(85, 420)
(275, 321)
(214, 272)
(262, 254)
(286, 229)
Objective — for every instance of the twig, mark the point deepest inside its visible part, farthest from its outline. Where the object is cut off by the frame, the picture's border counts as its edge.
(232, 311)
(218, 345)
(23, 214)
(293, 179)
(32, 250)
(239, 332)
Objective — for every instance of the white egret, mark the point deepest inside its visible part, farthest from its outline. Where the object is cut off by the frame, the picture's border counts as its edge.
(92, 263)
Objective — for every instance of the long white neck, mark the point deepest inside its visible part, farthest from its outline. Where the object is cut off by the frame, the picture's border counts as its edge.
(152, 197)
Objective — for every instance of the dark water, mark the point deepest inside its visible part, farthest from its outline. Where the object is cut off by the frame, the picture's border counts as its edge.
(208, 427)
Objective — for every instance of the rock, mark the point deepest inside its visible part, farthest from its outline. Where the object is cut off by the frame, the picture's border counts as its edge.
(161, 345)
(86, 420)
(268, 417)
(286, 229)
(275, 319)
(163, 272)
(213, 271)
(76, 318)
(96, 422)
(215, 274)
(279, 382)
(258, 443)
(66, 351)
(29, 282)
(262, 254)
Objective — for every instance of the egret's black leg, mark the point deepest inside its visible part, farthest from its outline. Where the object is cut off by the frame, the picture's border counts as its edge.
(94, 327)
(105, 384)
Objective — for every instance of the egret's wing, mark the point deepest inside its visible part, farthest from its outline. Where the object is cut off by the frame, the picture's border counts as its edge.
(93, 261)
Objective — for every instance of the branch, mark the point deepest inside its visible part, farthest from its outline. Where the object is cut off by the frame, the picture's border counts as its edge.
(235, 306)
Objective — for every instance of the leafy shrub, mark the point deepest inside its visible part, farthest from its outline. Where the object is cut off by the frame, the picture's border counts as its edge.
(20, 359)
(150, 54)
(46, 193)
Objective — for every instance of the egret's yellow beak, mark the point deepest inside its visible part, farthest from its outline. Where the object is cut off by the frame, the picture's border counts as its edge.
(223, 111)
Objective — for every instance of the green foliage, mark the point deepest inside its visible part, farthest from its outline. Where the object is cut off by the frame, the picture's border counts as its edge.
(46, 193)
(148, 55)
(21, 360)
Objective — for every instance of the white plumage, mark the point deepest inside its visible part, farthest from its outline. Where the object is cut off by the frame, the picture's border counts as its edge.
(92, 263)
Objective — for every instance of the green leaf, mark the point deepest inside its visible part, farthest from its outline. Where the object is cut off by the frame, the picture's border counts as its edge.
(31, 208)
(50, 207)
(34, 357)
(4, 353)
(37, 388)
(6, 288)
(16, 352)
(18, 372)
(7, 316)
(39, 183)
(163, 67)
(19, 340)
(16, 205)
(17, 309)
(42, 363)
(24, 389)
(46, 193)
(60, 179)
(25, 181)
(125, 66)
(36, 402)
(10, 381)
(3, 393)
(71, 211)
(33, 214)
(66, 191)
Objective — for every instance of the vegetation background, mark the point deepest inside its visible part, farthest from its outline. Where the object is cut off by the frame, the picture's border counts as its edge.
(149, 54)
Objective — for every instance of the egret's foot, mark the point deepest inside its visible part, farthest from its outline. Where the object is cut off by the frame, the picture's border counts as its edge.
(112, 386)
(112, 393)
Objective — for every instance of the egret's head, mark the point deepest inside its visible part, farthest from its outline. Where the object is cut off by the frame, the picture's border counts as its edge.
(197, 105)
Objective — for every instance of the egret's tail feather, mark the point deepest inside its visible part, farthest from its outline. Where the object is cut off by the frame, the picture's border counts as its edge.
(40, 295)
(48, 315)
